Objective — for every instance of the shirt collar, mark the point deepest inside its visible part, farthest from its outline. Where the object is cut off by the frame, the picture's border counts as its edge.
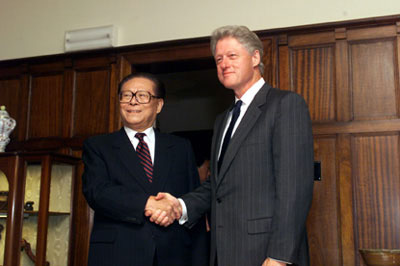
(249, 95)
(131, 133)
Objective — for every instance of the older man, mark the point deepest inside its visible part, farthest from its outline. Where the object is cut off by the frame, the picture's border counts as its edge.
(261, 182)
(123, 172)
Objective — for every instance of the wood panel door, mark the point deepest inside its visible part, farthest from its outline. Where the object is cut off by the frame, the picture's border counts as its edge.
(350, 81)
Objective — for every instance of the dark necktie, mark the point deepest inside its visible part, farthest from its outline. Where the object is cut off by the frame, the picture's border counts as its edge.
(143, 152)
(227, 138)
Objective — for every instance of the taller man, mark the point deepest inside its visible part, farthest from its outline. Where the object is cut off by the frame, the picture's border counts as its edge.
(261, 183)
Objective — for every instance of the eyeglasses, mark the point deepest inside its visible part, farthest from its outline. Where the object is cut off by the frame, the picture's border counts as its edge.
(140, 96)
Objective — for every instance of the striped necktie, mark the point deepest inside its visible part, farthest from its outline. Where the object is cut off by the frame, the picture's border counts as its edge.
(143, 152)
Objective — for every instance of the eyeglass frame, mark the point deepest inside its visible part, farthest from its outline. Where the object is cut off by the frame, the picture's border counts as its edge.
(133, 94)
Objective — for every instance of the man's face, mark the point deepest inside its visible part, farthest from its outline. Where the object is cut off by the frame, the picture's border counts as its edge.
(237, 68)
(138, 116)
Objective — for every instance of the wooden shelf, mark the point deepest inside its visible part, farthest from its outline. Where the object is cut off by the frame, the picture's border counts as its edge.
(3, 214)
(35, 213)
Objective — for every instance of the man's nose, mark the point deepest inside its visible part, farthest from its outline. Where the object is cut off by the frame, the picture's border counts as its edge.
(133, 100)
(224, 63)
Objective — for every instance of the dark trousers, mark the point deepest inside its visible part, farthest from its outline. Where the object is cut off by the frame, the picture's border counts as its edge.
(155, 263)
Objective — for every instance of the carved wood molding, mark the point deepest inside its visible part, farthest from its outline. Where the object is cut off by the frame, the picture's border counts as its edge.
(354, 127)
(340, 34)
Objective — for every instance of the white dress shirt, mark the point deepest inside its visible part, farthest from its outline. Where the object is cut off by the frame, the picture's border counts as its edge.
(246, 99)
(150, 139)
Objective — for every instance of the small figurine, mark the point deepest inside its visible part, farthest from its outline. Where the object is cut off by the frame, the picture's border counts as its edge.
(7, 125)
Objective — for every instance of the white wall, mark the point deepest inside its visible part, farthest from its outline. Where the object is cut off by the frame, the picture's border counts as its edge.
(36, 27)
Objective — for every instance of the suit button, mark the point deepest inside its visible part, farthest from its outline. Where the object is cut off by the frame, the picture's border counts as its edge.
(219, 200)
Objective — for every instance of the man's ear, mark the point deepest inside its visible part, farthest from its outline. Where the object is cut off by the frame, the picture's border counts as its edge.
(256, 58)
(160, 104)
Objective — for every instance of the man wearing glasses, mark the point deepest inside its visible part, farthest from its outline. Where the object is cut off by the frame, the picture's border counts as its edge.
(123, 172)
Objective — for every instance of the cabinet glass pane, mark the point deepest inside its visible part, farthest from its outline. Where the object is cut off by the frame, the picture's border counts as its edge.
(3, 213)
(30, 222)
(59, 215)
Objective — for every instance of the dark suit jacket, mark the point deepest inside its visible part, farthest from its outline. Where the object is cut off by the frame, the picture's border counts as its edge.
(261, 197)
(116, 188)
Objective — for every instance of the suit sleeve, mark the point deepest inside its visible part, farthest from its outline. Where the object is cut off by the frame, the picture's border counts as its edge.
(293, 170)
(198, 234)
(103, 194)
(198, 202)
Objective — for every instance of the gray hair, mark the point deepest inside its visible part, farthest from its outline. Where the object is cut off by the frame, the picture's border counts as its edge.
(244, 36)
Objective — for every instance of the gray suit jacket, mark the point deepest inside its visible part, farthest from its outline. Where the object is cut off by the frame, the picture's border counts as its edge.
(261, 197)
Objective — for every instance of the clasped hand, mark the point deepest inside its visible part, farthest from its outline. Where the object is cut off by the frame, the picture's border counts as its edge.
(163, 209)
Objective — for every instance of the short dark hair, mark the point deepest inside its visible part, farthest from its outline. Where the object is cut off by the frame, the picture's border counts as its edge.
(159, 85)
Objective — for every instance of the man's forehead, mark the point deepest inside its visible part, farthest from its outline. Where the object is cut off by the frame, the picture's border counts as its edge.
(228, 47)
(231, 42)
(139, 83)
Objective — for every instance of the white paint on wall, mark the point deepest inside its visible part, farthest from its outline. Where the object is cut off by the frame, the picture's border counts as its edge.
(37, 27)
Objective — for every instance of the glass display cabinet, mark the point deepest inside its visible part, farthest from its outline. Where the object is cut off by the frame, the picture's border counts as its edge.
(36, 196)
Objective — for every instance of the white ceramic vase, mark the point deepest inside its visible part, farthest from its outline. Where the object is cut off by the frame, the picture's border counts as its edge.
(7, 125)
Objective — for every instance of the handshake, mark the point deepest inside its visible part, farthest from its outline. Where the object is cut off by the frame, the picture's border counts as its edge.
(163, 209)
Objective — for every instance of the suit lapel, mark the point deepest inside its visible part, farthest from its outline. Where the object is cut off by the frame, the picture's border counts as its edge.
(162, 162)
(246, 124)
(216, 145)
(127, 155)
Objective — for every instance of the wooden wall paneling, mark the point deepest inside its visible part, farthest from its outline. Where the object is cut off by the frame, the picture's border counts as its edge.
(306, 39)
(24, 107)
(92, 99)
(376, 186)
(397, 62)
(357, 127)
(373, 31)
(312, 75)
(10, 91)
(46, 106)
(373, 78)
(270, 61)
(343, 93)
(68, 99)
(346, 219)
(312, 72)
(323, 219)
(113, 100)
(125, 67)
(14, 94)
(173, 52)
(283, 68)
